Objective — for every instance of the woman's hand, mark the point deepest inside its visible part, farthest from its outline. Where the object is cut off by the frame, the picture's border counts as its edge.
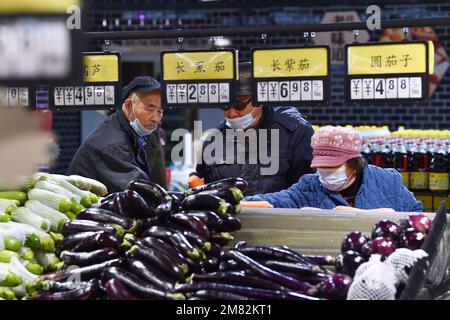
(344, 208)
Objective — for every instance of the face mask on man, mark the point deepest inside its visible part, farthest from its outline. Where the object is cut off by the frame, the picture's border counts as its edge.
(334, 181)
(243, 122)
(139, 128)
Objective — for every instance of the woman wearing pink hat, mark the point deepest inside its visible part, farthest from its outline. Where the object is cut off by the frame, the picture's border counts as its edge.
(343, 178)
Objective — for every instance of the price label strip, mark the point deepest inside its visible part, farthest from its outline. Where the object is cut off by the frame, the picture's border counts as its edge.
(291, 76)
(17, 97)
(36, 43)
(199, 79)
(388, 72)
(100, 88)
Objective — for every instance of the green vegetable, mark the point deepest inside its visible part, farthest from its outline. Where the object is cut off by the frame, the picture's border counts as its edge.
(34, 268)
(9, 279)
(56, 218)
(50, 199)
(14, 195)
(76, 207)
(87, 198)
(11, 243)
(26, 254)
(94, 186)
(5, 217)
(26, 216)
(6, 206)
(49, 261)
(71, 215)
(7, 294)
(57, 237)
(6, 255)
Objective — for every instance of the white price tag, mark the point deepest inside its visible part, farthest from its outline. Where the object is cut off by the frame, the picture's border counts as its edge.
(356, 89)
(59, 96)
(317, 86)
(262, 90)
(213, 92)
(403, 88)
(13, 96)
(69, 98)
(24, 97)
(110, 95)
(99, 95)
(192, 93)
(171, 93)
(380, 88)
(203, 92)
(368, 89)
(295, 91)
(89, 95)
(4, 97)
(284, 91)
(274, 94)
(79, 96)
(182, 93)
(415, 86)
(391, 88)
(306, 90)
(224, 92)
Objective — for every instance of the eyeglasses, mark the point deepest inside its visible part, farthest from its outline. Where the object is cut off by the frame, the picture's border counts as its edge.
(242, 105)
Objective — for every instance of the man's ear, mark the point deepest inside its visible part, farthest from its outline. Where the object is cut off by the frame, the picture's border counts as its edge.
(127, 107)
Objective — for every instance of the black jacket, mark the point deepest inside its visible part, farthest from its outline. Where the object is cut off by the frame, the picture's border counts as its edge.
(295, 154)
(114, 155)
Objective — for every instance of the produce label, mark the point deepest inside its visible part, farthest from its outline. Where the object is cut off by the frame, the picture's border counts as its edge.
(418, 180)
(291, 76)
(199, 79)
(395, 72)
(405, 178)
(100, 88)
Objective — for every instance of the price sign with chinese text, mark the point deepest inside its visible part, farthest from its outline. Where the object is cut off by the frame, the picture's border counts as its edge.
(291, 76)
(388, 72)
(202, 79)
(16, 97)
(100, 88)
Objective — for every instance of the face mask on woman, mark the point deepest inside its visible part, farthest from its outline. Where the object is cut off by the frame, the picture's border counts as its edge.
(334, 180)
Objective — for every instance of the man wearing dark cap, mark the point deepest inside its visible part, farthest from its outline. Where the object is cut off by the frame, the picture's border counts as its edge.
(126, 145)
(294, 145)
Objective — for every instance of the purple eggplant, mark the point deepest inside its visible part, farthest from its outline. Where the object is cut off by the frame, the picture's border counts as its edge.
(291, 252)
(159, 260)
(143, 224)
(108, 205)
(357, 241)
(150, 274)
(136, 206)
(177, 198)
(243, 290)
(166, 249)
(97, 241)
(420, 222)
(55, 286)
(108, 197)
(414, 238)
(229, 265)
(174, 238)
(295, 268)
(336, 287)
(82, 292)
(270, 274)
(211, 219)
(82, 274)
(120, 206)
(348, 262)
(383, 246)
(151, 192)
(239, 183)
(239, 245)
(76, 226)
(387, 229)
(115, 290)
(221, 238)
(71, 241)
(271, 253)
(211, 264)
(205, 202)
(137, 286)
(164, 210)
(231, 195)
(218, 295)
(193, 224)
(82, 259)
(106, 216)
(237, 278)
(215, 250)
(320, 260)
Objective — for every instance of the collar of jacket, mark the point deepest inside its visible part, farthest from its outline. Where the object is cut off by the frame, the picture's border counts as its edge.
(126, 127)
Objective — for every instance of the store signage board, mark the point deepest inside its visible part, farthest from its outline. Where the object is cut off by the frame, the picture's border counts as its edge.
(291, 76)
(388, 72)
(16, 97)
(199, 79)
(37, 43)
(100, 88)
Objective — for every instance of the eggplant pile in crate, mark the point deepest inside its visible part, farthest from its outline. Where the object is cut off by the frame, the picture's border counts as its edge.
(143, 242)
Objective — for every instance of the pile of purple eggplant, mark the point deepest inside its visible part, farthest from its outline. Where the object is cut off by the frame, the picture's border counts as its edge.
(386, 237)
(142, 242)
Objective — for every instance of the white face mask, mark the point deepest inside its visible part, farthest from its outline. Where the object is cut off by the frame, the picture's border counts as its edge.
(334, 181)
(242, 122)
(139, 128)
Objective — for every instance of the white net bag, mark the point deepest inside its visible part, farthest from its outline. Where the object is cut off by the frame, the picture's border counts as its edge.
(374, 258)
(376, 283)
(402, 261)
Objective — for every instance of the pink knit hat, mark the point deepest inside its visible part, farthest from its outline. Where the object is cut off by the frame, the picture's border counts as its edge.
(333, 146)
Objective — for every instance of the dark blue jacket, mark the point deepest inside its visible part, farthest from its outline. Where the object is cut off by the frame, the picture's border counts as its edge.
(295, 154)
(114, 155)
(381, 188)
